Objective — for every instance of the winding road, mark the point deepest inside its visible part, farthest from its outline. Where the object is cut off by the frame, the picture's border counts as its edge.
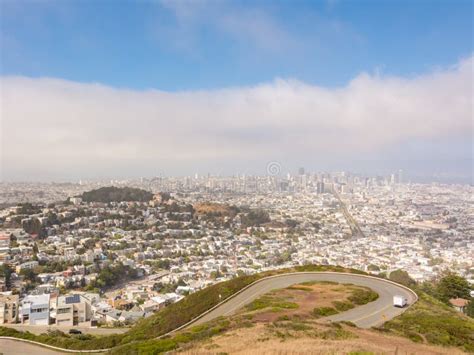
(366, 316)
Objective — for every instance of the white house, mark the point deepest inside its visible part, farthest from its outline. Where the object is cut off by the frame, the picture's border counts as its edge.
(34, 310)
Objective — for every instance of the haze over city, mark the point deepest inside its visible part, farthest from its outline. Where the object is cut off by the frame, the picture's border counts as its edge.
(236, 177)
(177, 88)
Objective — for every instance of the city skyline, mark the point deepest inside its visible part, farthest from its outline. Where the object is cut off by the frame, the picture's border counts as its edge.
(234, 176)
(225, 87)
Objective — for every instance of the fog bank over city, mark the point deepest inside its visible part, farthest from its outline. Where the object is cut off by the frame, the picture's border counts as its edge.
(53, 129)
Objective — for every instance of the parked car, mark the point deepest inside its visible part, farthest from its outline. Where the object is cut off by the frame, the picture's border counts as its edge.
(74, 331)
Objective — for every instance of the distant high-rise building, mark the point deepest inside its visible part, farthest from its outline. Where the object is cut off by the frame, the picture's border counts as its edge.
(303, 182)
(301, 171)
(320, 187)
(400, 176)
(393, 180)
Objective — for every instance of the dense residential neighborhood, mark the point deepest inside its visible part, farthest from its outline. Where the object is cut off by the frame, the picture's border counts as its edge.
(117, 254)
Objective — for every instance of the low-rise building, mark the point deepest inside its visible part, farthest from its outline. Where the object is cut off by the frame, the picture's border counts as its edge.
(8, 309)
(459, 304)
(72, 310)
(35, 310)
(27, 265)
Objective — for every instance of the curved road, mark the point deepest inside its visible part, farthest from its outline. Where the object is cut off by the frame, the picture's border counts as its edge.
(366, 316)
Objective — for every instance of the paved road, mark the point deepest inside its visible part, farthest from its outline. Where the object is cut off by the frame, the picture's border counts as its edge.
(366, 316)
(12, 347)
(354, 225)
(40, 329)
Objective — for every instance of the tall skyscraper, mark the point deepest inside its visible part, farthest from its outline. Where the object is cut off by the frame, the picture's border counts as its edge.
(393, 179)
(400, 176)
(320, 187)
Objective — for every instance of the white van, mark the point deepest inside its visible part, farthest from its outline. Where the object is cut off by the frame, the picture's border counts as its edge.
(399, 301)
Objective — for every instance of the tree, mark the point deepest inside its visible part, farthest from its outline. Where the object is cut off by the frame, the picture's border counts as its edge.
(6, 271)
(470, 309)
(402, 277)
(453, 286)
(373, 267)
(28, 274)
(164, 264)
(255, 218)
(291, 223)
(215, 274)
(430, 288)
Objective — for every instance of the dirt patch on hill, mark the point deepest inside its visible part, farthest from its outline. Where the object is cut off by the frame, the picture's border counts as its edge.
(215, 209)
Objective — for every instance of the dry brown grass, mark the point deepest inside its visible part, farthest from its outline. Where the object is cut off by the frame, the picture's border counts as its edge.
(258, 340)
(297, 331)
(209, 207)
(307, 296)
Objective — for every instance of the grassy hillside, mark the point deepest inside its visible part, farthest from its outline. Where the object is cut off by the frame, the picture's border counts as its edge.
(433, 322)
(168, 318)
(193, 305)
(284, 320)
(429, 322)
(286, 309)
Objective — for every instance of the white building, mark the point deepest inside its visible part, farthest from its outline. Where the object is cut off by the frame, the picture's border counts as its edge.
(34, 310)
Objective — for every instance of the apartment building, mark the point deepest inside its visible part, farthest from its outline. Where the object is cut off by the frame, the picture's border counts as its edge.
(27, 265)
(72, 310)
(35, 310)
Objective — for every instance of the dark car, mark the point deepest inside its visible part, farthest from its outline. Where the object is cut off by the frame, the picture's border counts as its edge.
(74, 331)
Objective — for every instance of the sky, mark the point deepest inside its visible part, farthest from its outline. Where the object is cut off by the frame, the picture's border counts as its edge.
(118, 89)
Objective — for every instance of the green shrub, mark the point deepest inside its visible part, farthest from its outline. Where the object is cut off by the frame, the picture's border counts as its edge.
(324, 312)
(362, 296)
(296, 326)
(336, 334)
(268, 301)
(300, 288)
(350, 324)
(436, 322)
(342, 306)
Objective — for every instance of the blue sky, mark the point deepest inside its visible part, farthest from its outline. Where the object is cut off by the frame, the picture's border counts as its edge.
(176, 45)
(102, 89)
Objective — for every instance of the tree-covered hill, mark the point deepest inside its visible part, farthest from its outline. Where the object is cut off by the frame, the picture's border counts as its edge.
(116, 194)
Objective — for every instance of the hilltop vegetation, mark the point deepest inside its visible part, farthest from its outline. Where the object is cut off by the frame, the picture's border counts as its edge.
(429, 322)
(280, 322)
(217, 211)
(193, 305)
(255, 218)
(116, 194)
(168, 318)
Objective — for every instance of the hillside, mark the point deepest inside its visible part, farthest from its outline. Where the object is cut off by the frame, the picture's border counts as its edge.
(168, 318)
(294, 338)
(287, 319)
(280, 320)
(116, 194)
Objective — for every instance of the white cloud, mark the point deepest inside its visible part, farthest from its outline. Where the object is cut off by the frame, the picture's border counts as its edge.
(252, 26)
(54, 127)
